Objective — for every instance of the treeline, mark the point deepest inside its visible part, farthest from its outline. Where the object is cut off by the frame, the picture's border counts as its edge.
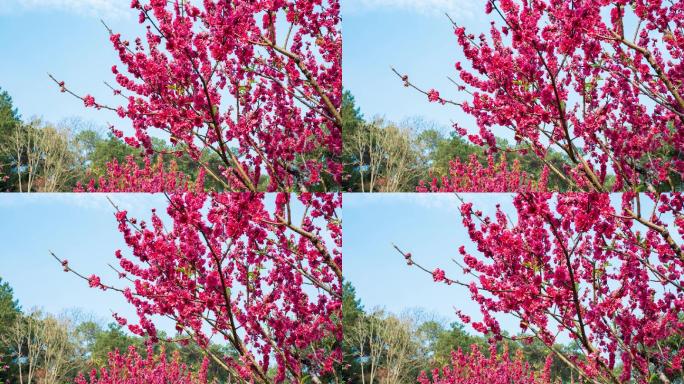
(384, 156)
(378, 155)
(43, 348)
(385, 348)
(40, 156)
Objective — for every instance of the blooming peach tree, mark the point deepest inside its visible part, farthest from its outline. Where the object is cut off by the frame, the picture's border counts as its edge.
(3, 366)
(472, 176)
(131, 368)
(267, 282)
(599, 81)
(130, 176)
(477, 368)
(607, 275)
(257, 84)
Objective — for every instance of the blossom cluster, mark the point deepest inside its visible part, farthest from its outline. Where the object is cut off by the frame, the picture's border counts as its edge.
(256, 83)
(477, 368)
(266, 281)
(131, 176)
(599, 82)
(132, 368)
(473, 176)
(607, 274)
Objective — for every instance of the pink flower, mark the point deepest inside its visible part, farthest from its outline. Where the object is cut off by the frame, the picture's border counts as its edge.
(89, 101)
(476, 367)
(525, 266)
(438, 275)
(464, 318)
(296, 145)
(175, 274)
(122, 321)
(94, 281)
(433, 95)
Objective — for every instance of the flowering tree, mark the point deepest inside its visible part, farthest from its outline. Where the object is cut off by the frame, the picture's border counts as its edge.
(599, 81)
(472, 176)
(573, 264)
(129, 176)
(134, 369)
(256, 83)
(260, 280)
(3, 367)
(476, 368)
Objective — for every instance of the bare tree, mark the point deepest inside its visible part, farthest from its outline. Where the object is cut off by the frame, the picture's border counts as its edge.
(14, 149)
(365, 335)
(41, 156)
(363, 147)
(388, 346)
(386, 156)
(22, 337)
(399, 159)
(43, 347)
(58, 159)
(403, 354)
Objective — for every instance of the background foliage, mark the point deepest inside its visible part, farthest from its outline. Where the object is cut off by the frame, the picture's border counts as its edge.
(385, 156)
(40, 156)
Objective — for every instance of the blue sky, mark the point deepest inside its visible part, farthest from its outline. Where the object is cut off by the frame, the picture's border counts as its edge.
(77, 227)
(82, 229)
(416, 38)
(428, 226)
(65, 38)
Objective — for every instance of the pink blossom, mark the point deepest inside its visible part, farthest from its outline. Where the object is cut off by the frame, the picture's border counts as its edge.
(604, 95)
(579, 263)
(132, 368)
(278, 276)
(267, 106)
(88, 101)
(94, 281)
(476, 368)
(438, 275)
(433, 95)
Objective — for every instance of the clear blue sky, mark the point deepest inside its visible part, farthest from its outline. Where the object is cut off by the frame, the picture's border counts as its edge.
(416, 38)
(65, 38)
(77, 227)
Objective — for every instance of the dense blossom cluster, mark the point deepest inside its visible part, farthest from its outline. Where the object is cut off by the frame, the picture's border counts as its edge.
(131, 368)
(478, 368)
(607, 274)
(473, 176)
(130, 176)
(256, 83)
(599, 81)
(266, 281)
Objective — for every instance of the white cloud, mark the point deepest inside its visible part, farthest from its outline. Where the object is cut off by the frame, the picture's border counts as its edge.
(438, 203)
(139, 204)
(99, 8)
(430, 201)
(455, 8)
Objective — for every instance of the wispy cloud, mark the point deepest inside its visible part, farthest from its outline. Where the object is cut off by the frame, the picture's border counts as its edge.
(434, 202)
(455, 8)
(431, 201)
(109, 8)
(136, 203)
